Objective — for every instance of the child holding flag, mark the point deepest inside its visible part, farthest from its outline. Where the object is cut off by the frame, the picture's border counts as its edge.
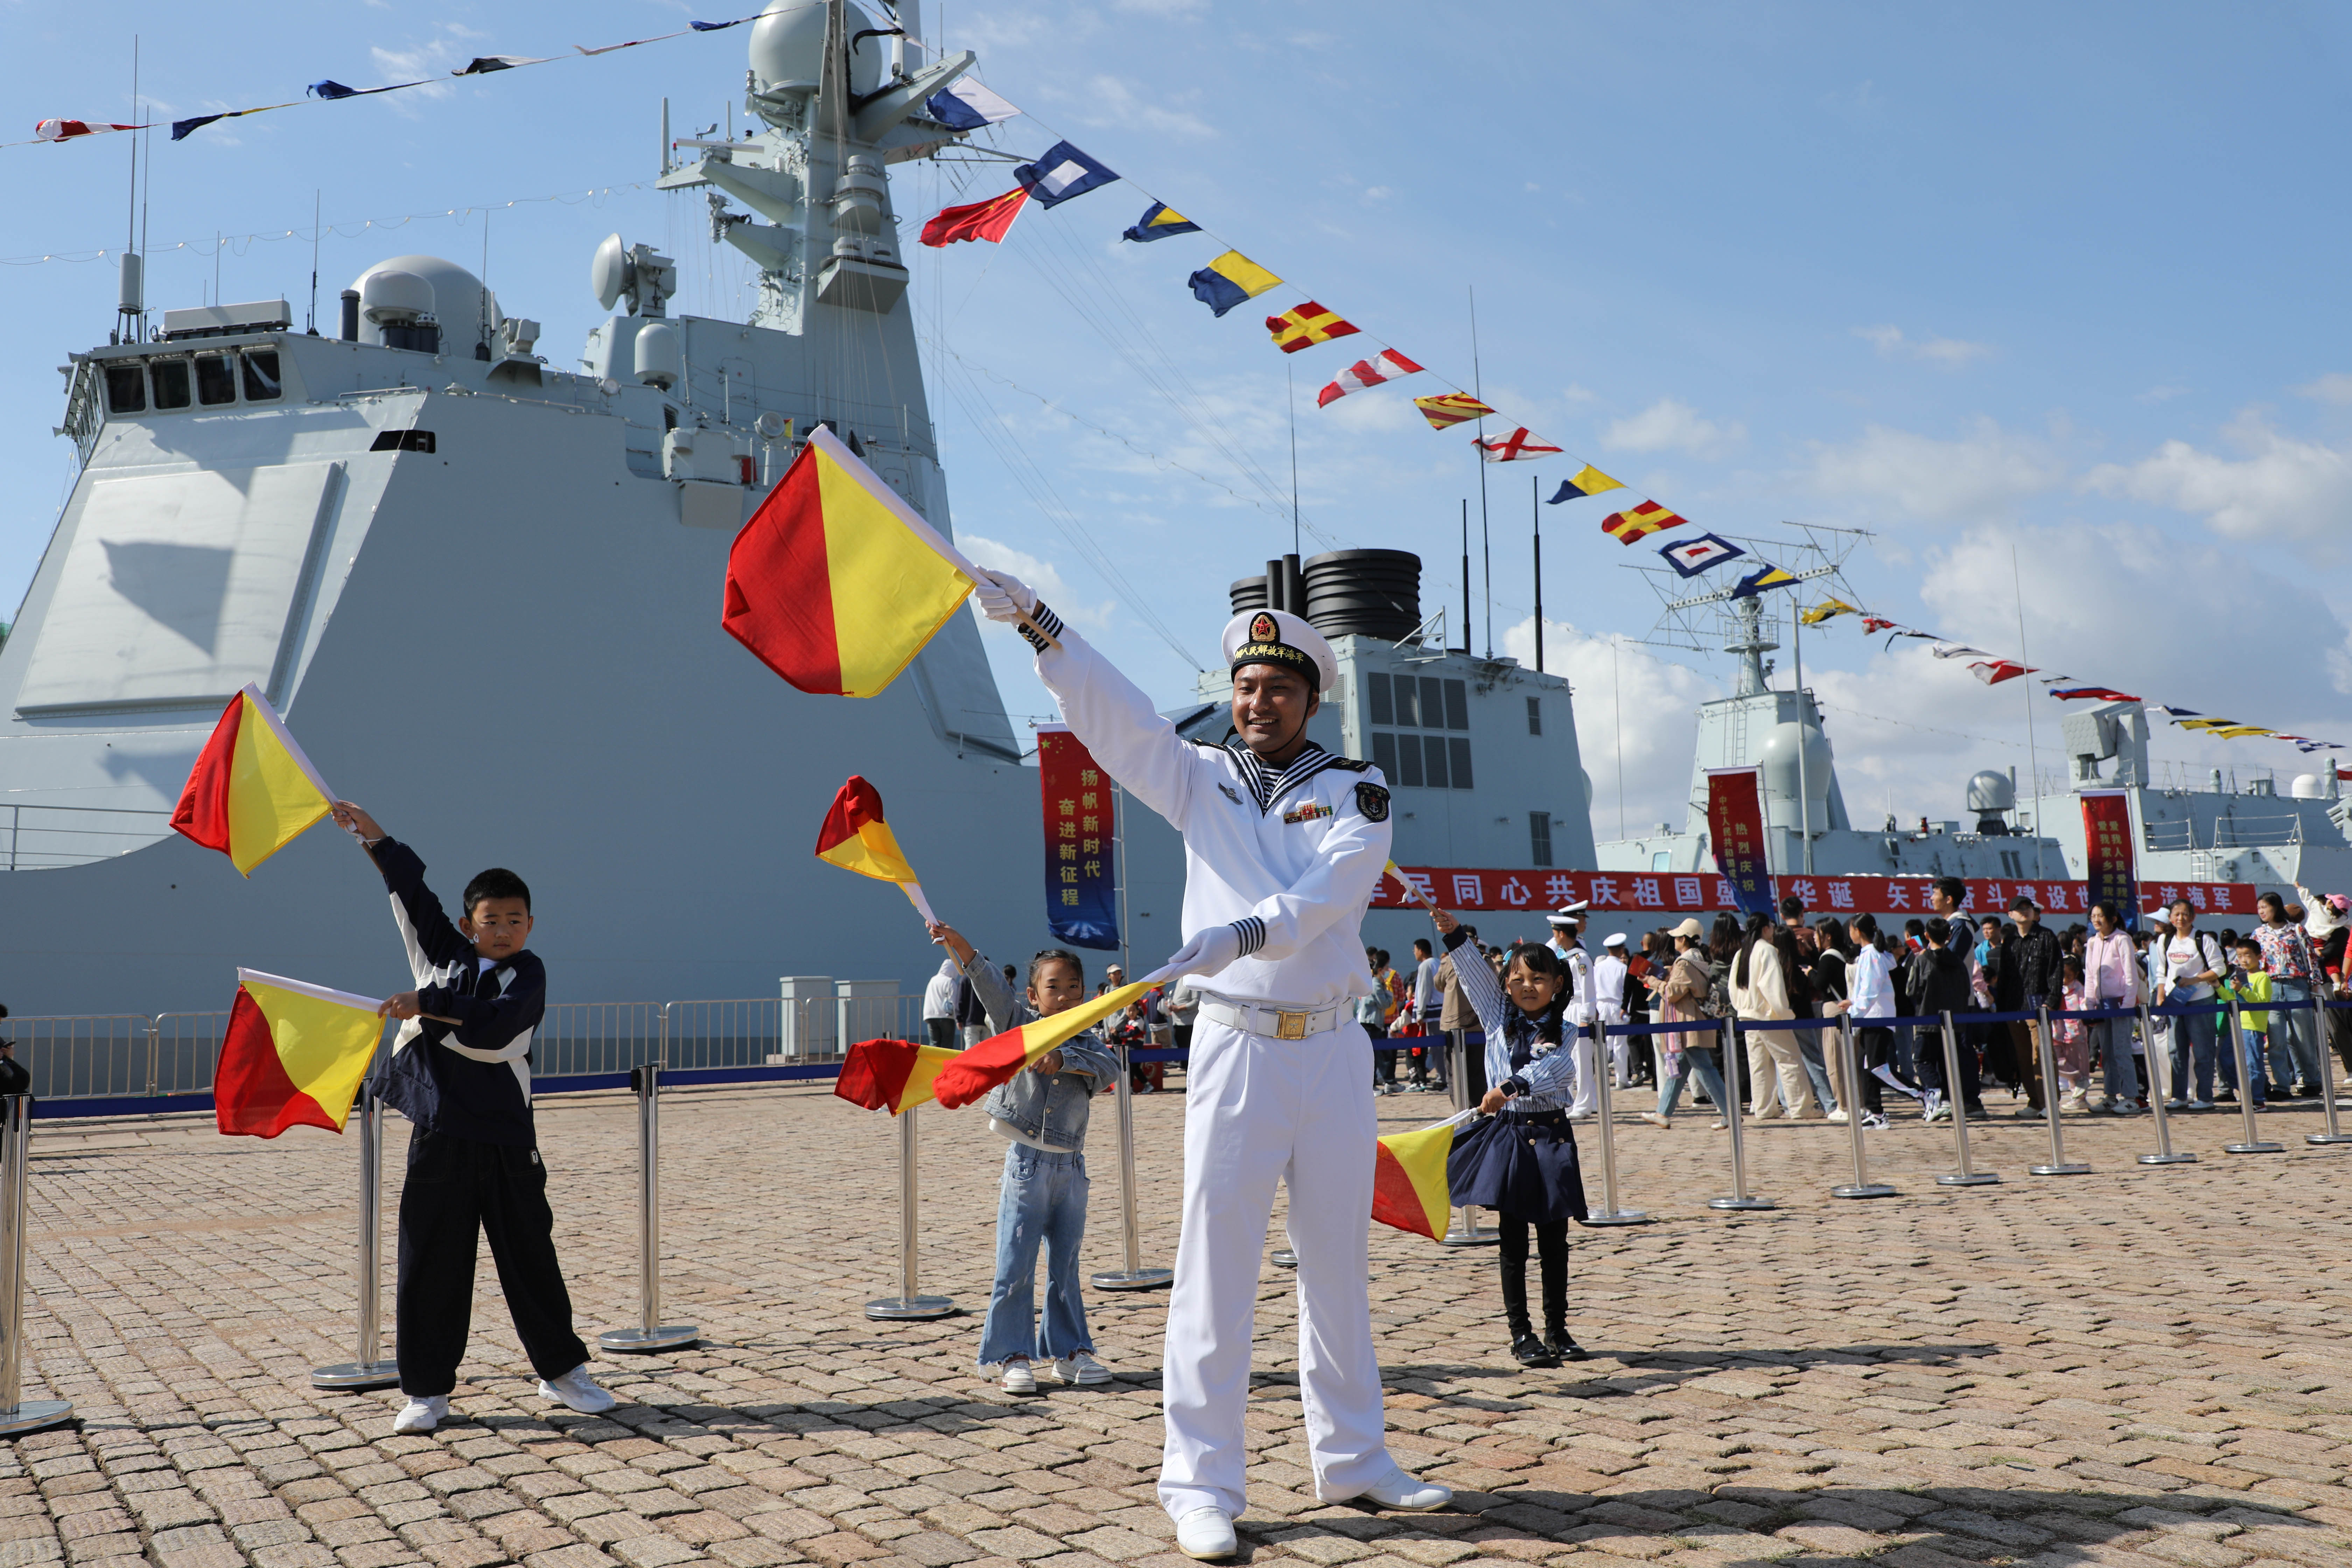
(461, 1072)
(1525, 1168)
(1042, 1114)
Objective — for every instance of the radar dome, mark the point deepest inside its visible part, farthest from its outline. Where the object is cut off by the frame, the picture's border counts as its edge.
(788, 47)
(2307, 787)
(1991, 791)
(467, 313)
(1779, 762)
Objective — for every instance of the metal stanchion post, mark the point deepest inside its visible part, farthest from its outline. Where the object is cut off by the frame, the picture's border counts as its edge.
(2252, 1142)
(2059, 1164)
(1605, 1116)
(1968, 1175)
(1740, 1198)
(651, 1333)
(2326, 1077)
(1861, 1186)
(1463, 1229)
(907, 1305)
(1135, 1275)
(2164, 1154)
(18, 1414)
(371, 1370)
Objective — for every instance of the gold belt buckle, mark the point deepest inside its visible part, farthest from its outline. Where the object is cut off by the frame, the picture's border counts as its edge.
(1289, 1026)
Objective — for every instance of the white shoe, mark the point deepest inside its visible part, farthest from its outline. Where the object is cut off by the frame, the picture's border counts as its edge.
(421, 1413)
(578, 1390)
(1872, 1121)
(1020, 1377)
(1654, 1120)
(1206, 1533)
(2200, 1105)
(1405, 1490)
(1081, 1369)
(1838, 1116)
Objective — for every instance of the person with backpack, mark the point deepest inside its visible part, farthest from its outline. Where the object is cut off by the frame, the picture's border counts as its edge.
(1938, 982)
(2190, 965)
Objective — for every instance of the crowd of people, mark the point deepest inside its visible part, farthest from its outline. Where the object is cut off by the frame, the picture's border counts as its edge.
(1787, 968)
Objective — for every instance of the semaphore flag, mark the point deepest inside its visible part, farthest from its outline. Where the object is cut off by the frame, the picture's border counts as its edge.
(1410, 1189)
(837, 583)
(1588, 480)
(1386, 365)
(994, 1061)
(252, 791)
(1158, 221)
(1521, 446)
(293, 1055)
(1303, 326)
(1448, 408)
(1230, 280)
(989, 220)
(1692, 556)
(1638, 522)
(1827, 610)
(891, 1074)
(1763, 578)
(1062, 174)
(855, 838)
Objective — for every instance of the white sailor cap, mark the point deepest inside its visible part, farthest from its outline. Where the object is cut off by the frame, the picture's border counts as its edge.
(1614, 939)
(1568, 915)
(1278, 638)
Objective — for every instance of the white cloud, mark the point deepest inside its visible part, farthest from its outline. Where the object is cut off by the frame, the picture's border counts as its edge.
(1921, 477)
(1164, 8)
(1669, 425)
(2333, 387)
(1951, 353)
(1111, 101)
(2281, 487)
(1043, 578)
(1655, 728)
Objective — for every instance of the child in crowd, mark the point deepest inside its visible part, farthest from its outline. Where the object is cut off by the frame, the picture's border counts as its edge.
(2071, 1045)
(1527, 1172)
(461, 1072)
(1042, 1114)
(2249, 984)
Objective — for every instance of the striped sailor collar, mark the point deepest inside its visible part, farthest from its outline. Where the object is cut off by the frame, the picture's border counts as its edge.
(1267, 786)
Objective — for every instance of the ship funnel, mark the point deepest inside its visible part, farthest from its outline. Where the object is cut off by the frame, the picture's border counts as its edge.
(1343, 593)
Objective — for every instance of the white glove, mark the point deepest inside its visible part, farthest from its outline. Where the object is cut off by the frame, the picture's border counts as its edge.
(1002, 597)
(1206, 953)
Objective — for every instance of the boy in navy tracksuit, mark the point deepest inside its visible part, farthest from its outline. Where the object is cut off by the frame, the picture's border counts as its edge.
(461, 1072)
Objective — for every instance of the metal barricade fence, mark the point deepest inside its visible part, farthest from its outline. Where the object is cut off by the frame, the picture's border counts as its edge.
(577, 1038)
(85, 1056)
(723, 1034)
(185, 1054)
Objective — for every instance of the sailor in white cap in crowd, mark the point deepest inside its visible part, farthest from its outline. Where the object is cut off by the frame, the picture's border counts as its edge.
(1567, 924)
(1284, 846)
(1609, 975)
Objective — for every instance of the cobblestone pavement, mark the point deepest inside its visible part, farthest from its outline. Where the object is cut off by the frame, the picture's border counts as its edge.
(2136, 1367)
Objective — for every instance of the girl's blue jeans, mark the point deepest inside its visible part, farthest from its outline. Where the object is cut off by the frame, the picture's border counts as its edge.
(1041, 1199)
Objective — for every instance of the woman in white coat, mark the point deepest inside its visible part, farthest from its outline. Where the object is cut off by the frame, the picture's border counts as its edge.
(1759, 990)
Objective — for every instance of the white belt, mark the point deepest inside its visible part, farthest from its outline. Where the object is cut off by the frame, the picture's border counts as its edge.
(1268, 1022)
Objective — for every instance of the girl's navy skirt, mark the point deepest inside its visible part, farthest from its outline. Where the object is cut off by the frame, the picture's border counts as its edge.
(1520, 1164)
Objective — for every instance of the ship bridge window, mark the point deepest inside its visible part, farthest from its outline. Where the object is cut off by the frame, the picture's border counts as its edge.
(1539, 835)
(126, 388)
(171, 382)
(261, 380)
(1417, 762)
(1379, 695)
(1535, 727)
(215, 380)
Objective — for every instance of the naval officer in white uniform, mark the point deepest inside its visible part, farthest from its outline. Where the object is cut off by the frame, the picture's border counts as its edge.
(1284, 846)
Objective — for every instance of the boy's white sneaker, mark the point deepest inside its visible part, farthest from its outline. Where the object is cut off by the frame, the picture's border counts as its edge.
(1081, 1369)
(1020, 1377)
(578, 1390)
(1206, 1533)
(421, 1413)
(1404, 1489)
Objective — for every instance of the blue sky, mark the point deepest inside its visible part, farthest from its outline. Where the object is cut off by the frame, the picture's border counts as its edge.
(2062, 280)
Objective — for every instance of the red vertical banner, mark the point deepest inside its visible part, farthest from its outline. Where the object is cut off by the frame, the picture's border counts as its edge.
(2108, 863)
(1735, 825)
(1081, 886)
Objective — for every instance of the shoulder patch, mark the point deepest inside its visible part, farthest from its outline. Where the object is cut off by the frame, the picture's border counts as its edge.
(1372, 801)
(1353, 764)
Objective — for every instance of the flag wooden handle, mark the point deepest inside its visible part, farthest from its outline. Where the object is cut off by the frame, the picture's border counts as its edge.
(1406, 882)
(1034, 629)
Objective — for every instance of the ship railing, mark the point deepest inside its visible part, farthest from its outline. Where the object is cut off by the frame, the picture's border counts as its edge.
(41, 838)
(107, 1064)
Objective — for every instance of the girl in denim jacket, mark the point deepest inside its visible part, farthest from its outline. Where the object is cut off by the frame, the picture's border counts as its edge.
(1042, 1114)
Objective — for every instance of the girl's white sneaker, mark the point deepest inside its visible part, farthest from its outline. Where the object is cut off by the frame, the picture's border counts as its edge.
(1020, 1377)
(1081, 1369)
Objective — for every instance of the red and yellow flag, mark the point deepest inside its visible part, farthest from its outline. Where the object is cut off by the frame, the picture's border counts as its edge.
(293, 1055)
(1640, 522)
(1450, 408)
(1307, 325)
(994, 1061)
(855, 838)
(252, 791)
(1409, 1186)
(891, 1074)
(837, 583)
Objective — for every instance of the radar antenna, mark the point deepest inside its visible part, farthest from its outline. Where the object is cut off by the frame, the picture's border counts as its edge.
(1719, 620)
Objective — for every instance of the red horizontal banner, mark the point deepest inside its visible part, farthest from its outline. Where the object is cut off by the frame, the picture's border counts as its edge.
(1701, 892)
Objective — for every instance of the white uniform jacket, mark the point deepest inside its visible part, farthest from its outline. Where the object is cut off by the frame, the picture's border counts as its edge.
(1289, 860)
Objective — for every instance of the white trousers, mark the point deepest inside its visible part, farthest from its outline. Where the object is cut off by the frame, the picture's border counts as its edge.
(1259, 1110)
(1587, 1101)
